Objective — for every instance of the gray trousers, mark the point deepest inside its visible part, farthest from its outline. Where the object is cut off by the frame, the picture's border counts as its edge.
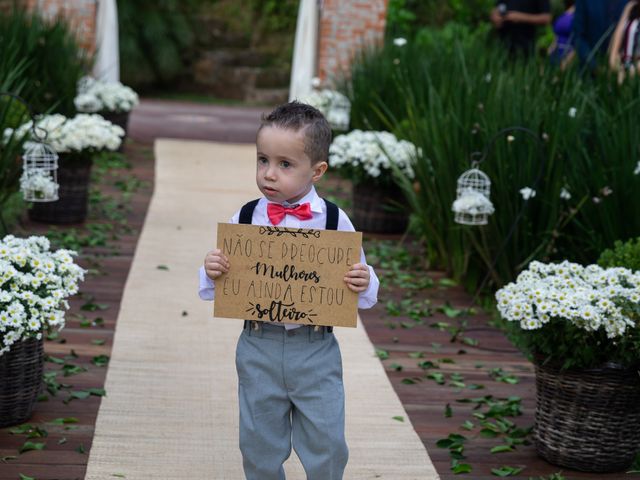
(290, 392)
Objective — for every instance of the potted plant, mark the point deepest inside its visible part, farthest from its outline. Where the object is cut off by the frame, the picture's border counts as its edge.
(370, 160)
(580, 325)
(75, 140)
(35, 283)
(112, 100)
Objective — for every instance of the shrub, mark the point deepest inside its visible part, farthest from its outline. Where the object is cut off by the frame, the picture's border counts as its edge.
(44, 59)
(625, 255)
(449, 97)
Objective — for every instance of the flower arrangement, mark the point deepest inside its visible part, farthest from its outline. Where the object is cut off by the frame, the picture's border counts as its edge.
(574, 316)
(372, 156)
(98, 96)
(38, 184)
(35, 285)
(82, 133)
(473, 202)
(334, 106)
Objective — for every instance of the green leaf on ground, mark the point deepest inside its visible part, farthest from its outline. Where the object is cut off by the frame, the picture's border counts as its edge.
(416, 354)
(506, 471)
(410, 381)
(447, 411)
(468, 425)
(81, 449)
(449, 311)
(162, 267)
(427, 364)
(398, 418)
(100, 360)
(470, 341)
(28, 446)
(382, 354)
(502, 449)
(25, 477)
(62, 441)
(62, 421)
(98, 341)
(396, 367)
(437, 377)
(459, 468)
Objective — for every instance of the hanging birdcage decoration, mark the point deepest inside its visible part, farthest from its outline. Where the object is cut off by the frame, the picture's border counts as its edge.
(39, 181)
(473, 205)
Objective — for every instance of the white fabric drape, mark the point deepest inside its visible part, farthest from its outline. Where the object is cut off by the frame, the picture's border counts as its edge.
(107, 60)
(303, 66)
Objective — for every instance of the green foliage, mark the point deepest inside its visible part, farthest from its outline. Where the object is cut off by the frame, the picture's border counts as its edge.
(42, 60)
(156, 39)
(448, 92)
(160, 41)
(625, 255)
(567, 346)
(408, 17)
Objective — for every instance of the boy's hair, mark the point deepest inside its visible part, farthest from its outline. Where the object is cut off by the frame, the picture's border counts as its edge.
(296, 116)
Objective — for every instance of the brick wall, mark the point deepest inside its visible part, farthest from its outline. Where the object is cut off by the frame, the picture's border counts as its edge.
(81, 15)
(346, 26)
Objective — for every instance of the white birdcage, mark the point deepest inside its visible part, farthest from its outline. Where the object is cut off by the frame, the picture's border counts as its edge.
(473, 205)
(39, 182)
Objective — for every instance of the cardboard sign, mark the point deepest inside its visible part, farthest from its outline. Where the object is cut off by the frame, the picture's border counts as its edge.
(286, 275)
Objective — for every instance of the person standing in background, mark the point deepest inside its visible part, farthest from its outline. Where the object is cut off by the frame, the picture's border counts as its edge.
(516, 22)
(624, 54)
(561, 51)
(593, 23)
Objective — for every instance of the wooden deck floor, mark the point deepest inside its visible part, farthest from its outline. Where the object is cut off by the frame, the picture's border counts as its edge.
(66, 453)
(84, 337)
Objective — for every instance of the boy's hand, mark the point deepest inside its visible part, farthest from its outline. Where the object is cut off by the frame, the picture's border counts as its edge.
(357, 279)
(215, 264)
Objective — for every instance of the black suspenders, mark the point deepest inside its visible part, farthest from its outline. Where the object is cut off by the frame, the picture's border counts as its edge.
(246, 214)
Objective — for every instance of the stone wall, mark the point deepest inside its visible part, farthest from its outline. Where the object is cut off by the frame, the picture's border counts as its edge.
(345, 27)
(81, 15)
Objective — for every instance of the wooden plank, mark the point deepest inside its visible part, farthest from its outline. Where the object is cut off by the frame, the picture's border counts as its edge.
(61, 460)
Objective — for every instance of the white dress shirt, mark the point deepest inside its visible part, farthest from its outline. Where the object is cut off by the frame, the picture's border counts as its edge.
(366, 299)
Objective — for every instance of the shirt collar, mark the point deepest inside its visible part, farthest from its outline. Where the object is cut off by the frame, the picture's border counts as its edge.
(315, 202)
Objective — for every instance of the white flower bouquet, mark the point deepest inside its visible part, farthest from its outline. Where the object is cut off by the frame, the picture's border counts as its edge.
(334, 106)
(473, 202)
(38, 184)
(35, 285)
(98, 96)
(80, 134)
(574, 316)
(371, 156)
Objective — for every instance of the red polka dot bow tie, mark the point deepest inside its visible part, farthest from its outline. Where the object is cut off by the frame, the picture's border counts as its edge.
(276, 212)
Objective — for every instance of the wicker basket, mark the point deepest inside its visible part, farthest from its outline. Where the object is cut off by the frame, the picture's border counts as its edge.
(122, 120)
(588, 420)
(378, 210)
(20, 381)
(73, 178)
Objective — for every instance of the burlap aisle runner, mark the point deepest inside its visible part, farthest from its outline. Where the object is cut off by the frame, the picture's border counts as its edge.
(171, 405)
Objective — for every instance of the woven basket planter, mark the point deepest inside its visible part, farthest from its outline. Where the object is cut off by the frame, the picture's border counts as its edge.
(20, 381)
(73, 178)
(377, 209)
(588, 420)
(122, 120)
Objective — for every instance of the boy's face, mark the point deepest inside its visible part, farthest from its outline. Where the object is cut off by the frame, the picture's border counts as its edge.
(284, 171)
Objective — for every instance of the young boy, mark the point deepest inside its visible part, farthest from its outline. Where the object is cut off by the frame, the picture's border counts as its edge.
(290, 376)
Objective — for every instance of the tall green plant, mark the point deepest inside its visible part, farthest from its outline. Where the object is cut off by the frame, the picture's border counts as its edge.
(55, 62)
(449, 97)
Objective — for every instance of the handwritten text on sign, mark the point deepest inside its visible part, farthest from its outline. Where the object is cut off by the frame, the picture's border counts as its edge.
(287, 275)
